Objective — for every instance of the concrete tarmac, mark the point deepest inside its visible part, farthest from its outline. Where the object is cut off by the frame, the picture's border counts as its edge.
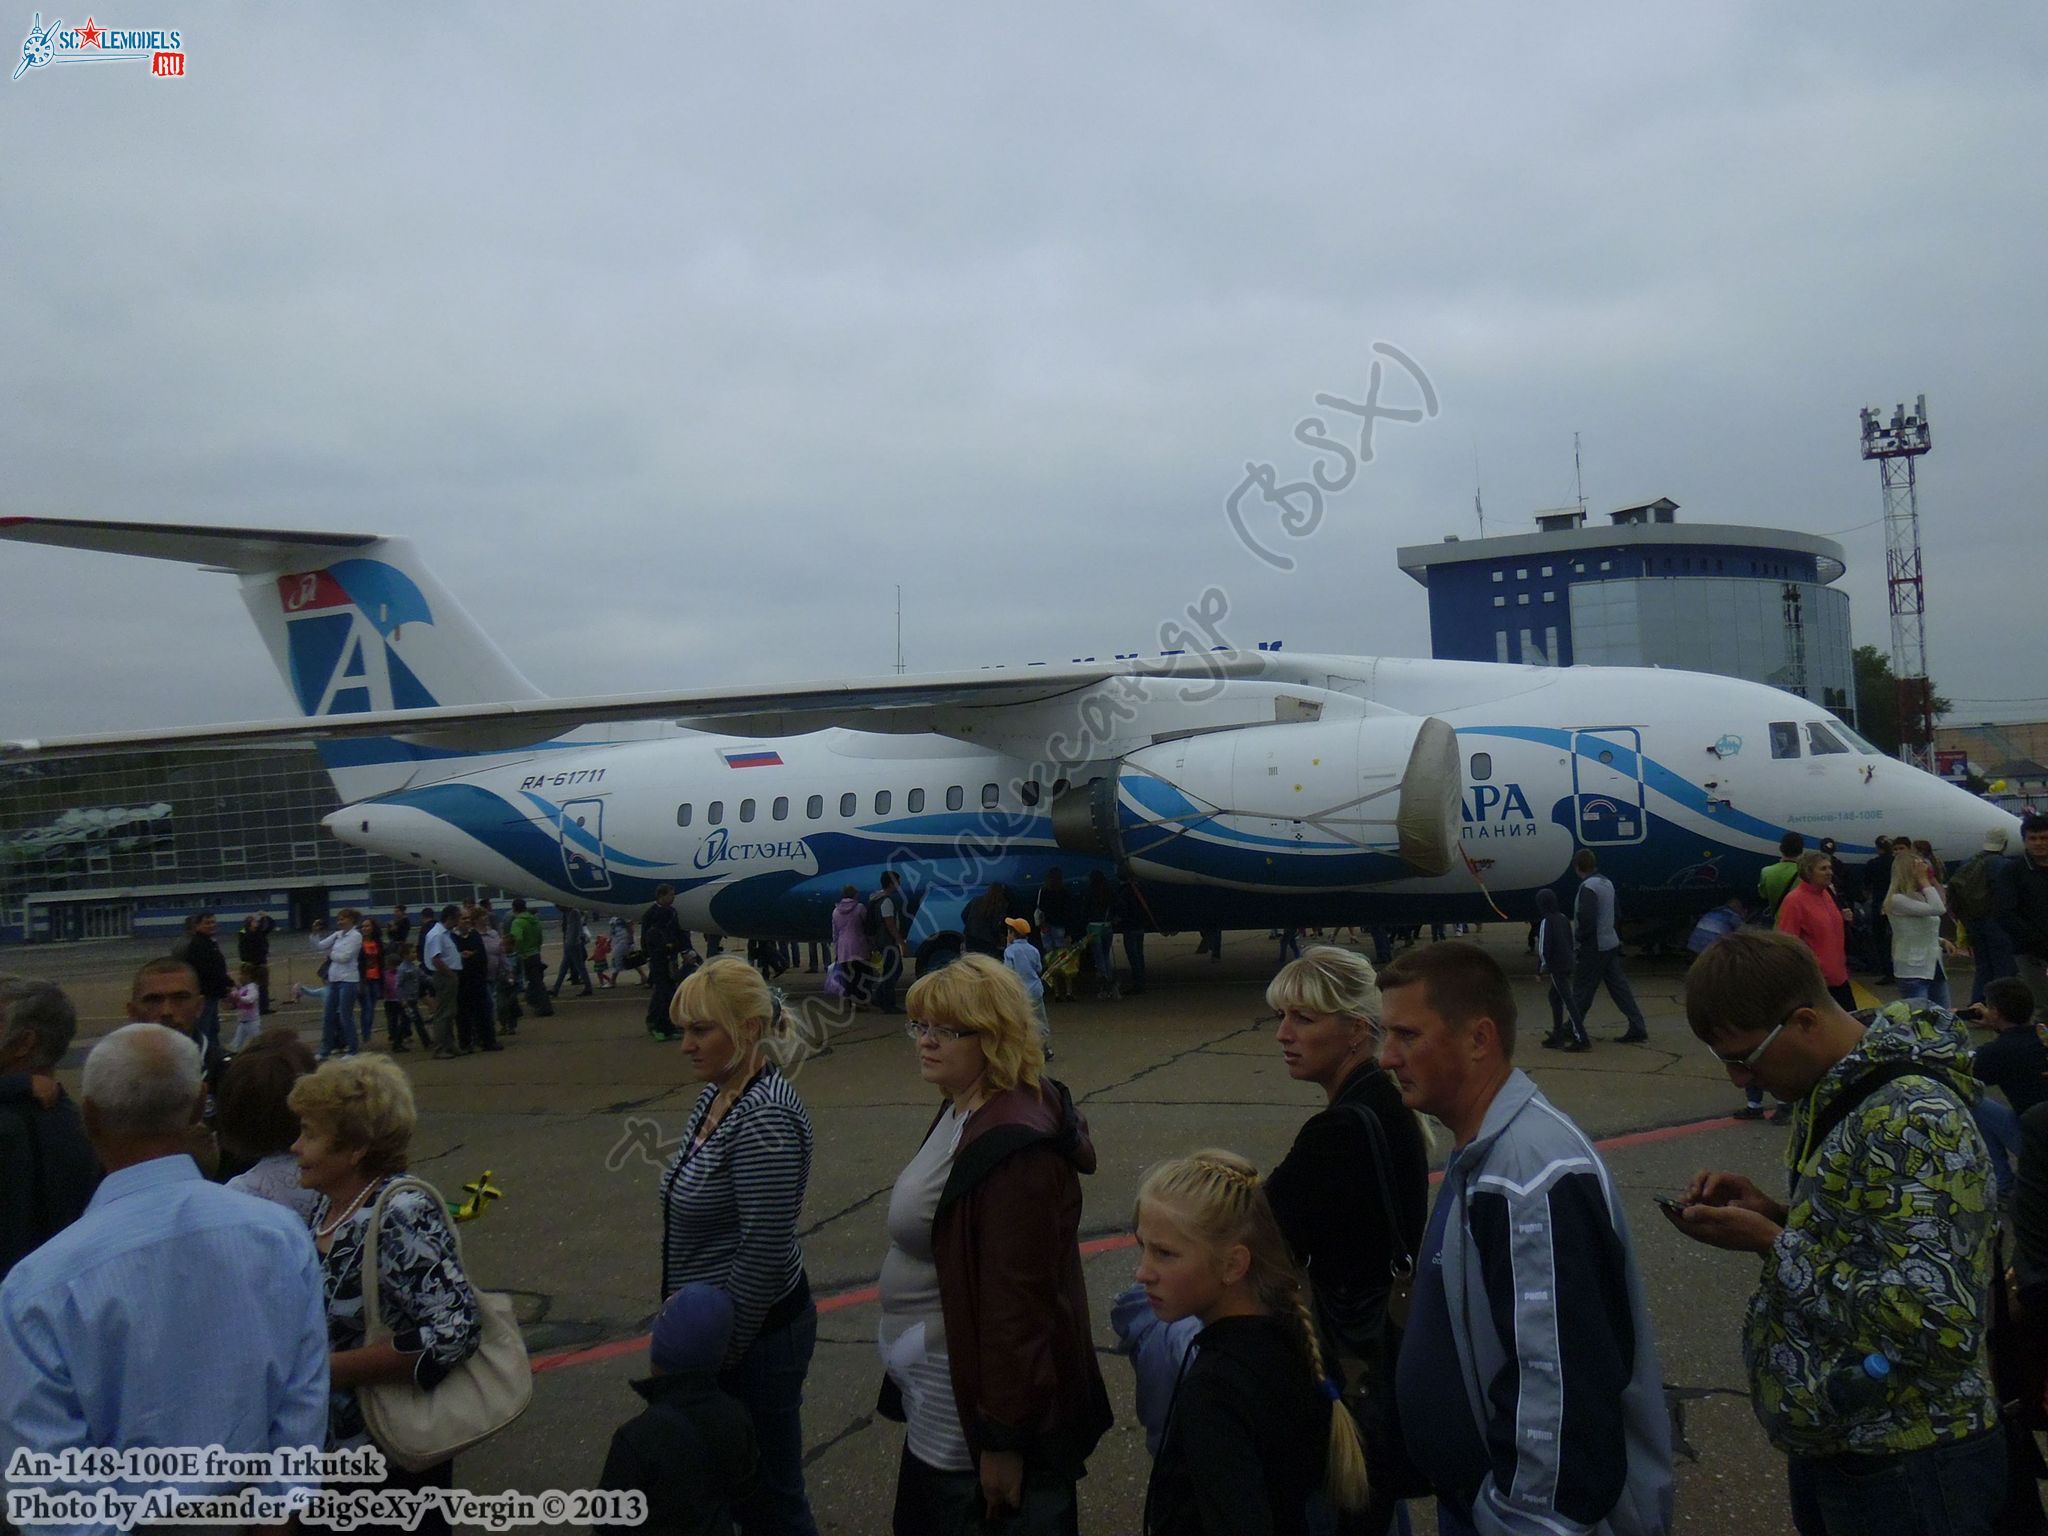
(571, 1120)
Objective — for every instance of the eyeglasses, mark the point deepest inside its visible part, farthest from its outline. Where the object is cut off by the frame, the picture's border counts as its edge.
(1748, 1062)
(945, 1034)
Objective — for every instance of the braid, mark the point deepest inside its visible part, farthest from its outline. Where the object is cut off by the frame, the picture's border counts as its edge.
(1219, 1198)
(1344, 1477)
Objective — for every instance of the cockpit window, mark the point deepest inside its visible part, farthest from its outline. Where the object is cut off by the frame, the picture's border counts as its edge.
(1856, 743)
(1821, 741)
(1784, 739)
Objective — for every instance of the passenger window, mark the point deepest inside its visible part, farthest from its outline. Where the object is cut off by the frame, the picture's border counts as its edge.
(1059, 786)
(715, 812)
(746, 810)
(881, 802)
(1820, 740)
(1482, 767)
(848, 804)
(955, 797)
(988, 796)
(1031, 792)
(815, 807)
(682, 815)
(781, 811)
(914, 801)
(1784, 739)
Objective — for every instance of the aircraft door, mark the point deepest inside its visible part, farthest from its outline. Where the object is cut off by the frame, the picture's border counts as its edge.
(1607, 786)
(582, 831)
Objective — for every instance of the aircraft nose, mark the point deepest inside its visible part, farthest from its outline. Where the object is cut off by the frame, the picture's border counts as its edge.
(1964, 824)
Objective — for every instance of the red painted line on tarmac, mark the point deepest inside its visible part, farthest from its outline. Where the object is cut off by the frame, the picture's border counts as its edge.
(860, 1297)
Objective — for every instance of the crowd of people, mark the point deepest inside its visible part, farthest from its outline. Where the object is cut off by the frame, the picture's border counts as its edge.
(1313, 1345)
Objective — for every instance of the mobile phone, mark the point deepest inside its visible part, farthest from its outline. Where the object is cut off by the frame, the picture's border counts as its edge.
(1669, 1205)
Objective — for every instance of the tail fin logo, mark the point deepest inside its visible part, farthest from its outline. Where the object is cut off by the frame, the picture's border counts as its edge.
(345, 624)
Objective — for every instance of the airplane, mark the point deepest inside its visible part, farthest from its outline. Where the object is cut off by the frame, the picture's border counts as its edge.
(1234, 789)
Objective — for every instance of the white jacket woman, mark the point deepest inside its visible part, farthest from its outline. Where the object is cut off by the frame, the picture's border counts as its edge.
(343, 946)
(1915, 907)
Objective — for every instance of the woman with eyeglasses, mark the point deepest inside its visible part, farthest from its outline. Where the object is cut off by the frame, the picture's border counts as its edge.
(730, 1202)
(1351, 1194)
(985, 1323)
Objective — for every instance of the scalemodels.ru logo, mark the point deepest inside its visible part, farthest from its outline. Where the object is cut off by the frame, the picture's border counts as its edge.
(163, 51)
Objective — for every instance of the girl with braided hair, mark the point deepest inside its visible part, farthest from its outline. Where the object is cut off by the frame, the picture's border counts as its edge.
(1256, 1427)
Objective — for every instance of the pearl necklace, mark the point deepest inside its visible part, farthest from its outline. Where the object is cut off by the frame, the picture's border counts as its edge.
(347, 1211)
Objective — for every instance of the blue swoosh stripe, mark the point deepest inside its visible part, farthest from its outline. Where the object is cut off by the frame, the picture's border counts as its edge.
(508, 832)
(1673, 786)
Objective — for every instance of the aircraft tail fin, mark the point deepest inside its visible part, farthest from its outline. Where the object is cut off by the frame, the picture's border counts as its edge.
(354, 622)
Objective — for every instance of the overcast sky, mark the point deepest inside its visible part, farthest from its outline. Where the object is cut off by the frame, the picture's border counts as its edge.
(676, 337)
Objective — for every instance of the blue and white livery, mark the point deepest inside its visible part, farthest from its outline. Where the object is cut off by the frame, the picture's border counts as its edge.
(1236, 789)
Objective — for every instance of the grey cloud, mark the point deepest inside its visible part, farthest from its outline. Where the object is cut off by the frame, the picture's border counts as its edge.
(677, 340)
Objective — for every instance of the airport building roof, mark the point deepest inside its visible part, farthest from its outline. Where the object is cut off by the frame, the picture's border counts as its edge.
(1566, 530)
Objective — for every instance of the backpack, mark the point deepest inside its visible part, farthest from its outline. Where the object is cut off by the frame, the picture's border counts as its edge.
(1970, 896)
(871, 917)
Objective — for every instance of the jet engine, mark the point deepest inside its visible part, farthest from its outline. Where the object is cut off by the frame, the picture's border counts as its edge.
(1333, 805)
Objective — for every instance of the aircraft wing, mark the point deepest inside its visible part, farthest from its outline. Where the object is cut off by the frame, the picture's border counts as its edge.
(891, 704)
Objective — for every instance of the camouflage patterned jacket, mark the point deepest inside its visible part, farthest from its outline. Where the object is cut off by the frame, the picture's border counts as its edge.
(1887, 1249)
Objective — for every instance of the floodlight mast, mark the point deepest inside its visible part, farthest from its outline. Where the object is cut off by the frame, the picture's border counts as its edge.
(1896, 445)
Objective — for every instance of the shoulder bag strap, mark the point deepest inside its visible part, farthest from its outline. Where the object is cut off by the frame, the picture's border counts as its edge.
(1856, 1090)
(1404, 1257)
(373, 1321)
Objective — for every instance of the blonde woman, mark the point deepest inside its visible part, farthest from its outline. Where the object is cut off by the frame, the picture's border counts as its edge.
(730, 1202)
(1352, 1193)
(985, 1319)
(1915, 907)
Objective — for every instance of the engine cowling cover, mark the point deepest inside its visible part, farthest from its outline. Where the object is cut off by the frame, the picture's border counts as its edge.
(1337, 805)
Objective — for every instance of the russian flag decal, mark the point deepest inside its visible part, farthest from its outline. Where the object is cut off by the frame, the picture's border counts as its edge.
(752, 759)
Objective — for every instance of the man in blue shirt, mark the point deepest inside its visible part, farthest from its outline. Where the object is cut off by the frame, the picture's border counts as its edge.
(100, 1343)
(441, 959)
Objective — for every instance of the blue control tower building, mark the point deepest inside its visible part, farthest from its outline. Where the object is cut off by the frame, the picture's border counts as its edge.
(1644, 590)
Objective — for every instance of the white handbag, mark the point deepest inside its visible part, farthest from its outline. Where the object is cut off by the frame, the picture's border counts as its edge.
(420, 1429)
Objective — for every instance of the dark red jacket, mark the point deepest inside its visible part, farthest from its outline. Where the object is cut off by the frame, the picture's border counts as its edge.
(1006, 1244)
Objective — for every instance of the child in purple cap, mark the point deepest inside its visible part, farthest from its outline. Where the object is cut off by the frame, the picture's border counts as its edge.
(691, 1450)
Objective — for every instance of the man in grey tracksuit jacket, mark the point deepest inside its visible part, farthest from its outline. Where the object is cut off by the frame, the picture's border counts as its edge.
(1552, 1334)
(1527, 1384)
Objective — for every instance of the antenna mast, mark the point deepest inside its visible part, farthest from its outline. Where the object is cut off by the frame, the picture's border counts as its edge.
(899, 629)
(1578, 472)
(1895, 446)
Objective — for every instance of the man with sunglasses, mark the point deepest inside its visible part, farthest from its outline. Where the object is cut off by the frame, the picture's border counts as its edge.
(1865, 1338)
